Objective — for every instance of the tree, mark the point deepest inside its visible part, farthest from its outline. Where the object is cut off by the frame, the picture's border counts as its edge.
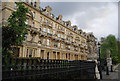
(118, 42)
(110, 43)
(14, 32)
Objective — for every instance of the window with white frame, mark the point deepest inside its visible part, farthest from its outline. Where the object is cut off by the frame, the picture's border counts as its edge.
(33, 24)
(62, 35)
(33, 14)
(58, 44)
(49, 31)
(48, 42)
(62, 45)
(58, 34)
(44, 41)
(15, 6)
(44, 29)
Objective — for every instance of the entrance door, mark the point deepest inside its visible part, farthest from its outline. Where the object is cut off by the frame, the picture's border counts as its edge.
(42, 54)
(48, 55)
(58, 55)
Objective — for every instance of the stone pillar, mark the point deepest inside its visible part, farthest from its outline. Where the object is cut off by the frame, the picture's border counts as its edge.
(50, 55)
(96, 71)
(20, 52)
(38, 52)
(45, 54)
(56, 55)
(24, 51)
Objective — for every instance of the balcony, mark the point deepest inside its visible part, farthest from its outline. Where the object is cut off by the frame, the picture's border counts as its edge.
(82, 46)
(47, 24)
(43, 34)
(55, 45)
(61, 30)
(49, 34)
(86, 47)
(54, 37)
(75, 49)
(82, 51)
(70, 35)
(68, 48)
(75, 44)
(68, 42)
(62, 39)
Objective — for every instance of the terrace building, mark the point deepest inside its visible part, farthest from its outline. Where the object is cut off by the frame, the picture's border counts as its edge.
(50, 37)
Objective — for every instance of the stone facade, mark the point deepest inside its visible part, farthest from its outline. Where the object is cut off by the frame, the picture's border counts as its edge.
(92, 47)
(50, 37)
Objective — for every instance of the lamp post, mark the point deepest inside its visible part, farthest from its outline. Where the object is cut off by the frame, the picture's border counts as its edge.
(99, 67)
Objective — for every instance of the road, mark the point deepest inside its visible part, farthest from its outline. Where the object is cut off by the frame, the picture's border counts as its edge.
(112, 75)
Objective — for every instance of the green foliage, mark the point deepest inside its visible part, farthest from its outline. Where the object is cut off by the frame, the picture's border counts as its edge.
(118, 50)
(110, 43)
(15, 31)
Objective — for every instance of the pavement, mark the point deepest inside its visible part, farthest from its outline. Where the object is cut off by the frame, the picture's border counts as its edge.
(112, 75)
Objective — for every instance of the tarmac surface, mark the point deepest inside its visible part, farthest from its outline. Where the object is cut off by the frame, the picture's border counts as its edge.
(113, 76)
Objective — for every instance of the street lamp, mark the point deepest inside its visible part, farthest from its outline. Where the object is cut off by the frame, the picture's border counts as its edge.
(99, 66)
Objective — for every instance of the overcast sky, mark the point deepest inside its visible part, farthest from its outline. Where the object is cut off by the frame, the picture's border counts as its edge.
(101, 18)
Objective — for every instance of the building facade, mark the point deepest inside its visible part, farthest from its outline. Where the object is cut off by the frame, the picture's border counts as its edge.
(92, 47)
(50, 37)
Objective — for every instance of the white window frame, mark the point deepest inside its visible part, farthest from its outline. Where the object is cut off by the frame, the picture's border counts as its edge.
(49, 30)
(48, 42)
(58, 44)
(15, 6)
(33, 24)
(44, 29)
(58, 34)
(33, 14)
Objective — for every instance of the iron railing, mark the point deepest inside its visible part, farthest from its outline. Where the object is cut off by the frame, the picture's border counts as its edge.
(36, 68)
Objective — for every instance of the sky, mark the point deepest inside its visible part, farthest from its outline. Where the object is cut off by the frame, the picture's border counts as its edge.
(101, 18)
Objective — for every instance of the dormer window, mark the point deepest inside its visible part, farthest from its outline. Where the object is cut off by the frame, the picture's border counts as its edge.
(31, 3)
(35, 4)
(67, 24)
(74, 29)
